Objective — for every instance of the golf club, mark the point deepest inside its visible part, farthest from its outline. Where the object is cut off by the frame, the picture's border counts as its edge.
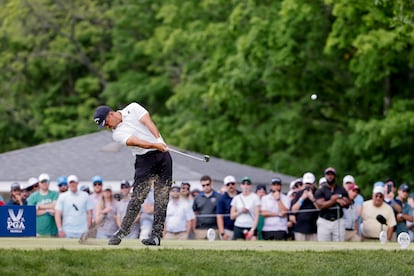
(116, 147)
(205, 159)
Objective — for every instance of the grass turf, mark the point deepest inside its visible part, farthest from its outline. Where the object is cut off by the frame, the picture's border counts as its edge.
(39, 256)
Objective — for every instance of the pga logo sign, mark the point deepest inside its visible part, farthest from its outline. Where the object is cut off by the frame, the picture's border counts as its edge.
(15, 222)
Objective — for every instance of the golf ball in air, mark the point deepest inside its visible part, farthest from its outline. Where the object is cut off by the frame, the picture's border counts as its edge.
(314, 97)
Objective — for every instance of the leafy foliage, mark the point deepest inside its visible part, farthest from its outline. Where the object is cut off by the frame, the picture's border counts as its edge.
(227, 78)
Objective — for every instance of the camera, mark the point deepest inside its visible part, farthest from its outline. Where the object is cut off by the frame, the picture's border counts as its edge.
(307, 189)
(389, 188)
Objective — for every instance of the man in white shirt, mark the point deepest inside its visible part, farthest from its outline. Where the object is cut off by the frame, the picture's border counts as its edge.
(73, 211)
(179, 217)
(133, 127)
(274, 209)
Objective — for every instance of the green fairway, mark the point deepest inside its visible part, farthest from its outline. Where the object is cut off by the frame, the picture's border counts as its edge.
(39, 256)
(93, 244)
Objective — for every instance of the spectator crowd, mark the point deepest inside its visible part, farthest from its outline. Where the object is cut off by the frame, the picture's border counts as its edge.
(324, 210)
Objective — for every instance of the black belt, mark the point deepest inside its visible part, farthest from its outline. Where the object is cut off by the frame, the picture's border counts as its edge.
(349, 229)
(330, 218)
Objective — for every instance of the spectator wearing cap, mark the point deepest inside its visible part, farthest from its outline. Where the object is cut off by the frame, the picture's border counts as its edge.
(121, 209)
(62, 183)
(45, 201)
(351, 215)
(95, 197)
(274, 207)
(225, 224)
(185, 192)
(322, 182)
(16, 195)
(245, 210)
(205, 209)
(296, 184)
(371, 228)
(331, 200)
(73, 211)
(305, 210)
(347, 182)
(410, 225)
(406, 211)
(261, 191)
(186, 195)
(85, 188)
(106, 214)
(31, 186)
(178, 222)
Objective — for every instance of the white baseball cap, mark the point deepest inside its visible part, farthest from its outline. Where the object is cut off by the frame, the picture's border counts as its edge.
(378, 190)
(44, 176)
(322, 180)
(348, 178)
(229, 179)
(107, 187)
(73, 178)
(309, 178)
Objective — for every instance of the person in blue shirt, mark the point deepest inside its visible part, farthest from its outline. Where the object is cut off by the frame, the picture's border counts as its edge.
(225, 225)
(406, 211)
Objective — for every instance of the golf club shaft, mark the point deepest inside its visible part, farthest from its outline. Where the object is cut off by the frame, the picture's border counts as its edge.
(186, 154)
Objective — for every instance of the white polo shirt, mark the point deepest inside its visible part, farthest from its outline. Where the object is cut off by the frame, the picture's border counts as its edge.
(178, 214)
(132, 126)
(269, 203)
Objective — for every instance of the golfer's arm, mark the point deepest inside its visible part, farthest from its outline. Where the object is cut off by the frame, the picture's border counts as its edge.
(147, 121)
(136, 142)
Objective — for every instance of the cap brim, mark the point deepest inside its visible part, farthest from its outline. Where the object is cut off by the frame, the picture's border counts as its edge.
(101, 125)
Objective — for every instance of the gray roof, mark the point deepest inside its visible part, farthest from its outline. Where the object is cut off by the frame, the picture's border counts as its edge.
(84, 156)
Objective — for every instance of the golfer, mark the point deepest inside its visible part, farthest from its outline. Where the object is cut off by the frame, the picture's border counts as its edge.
(133, 127)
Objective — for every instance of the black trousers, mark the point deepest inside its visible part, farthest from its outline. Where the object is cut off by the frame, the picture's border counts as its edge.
(274, 235)
(154, 166)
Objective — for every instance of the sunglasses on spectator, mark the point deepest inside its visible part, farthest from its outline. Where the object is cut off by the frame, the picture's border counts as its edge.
(246, 183)
(124, 187)
(44, 181)
(204, 185)
(379, 195)
(97, 184)
(231, 183)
